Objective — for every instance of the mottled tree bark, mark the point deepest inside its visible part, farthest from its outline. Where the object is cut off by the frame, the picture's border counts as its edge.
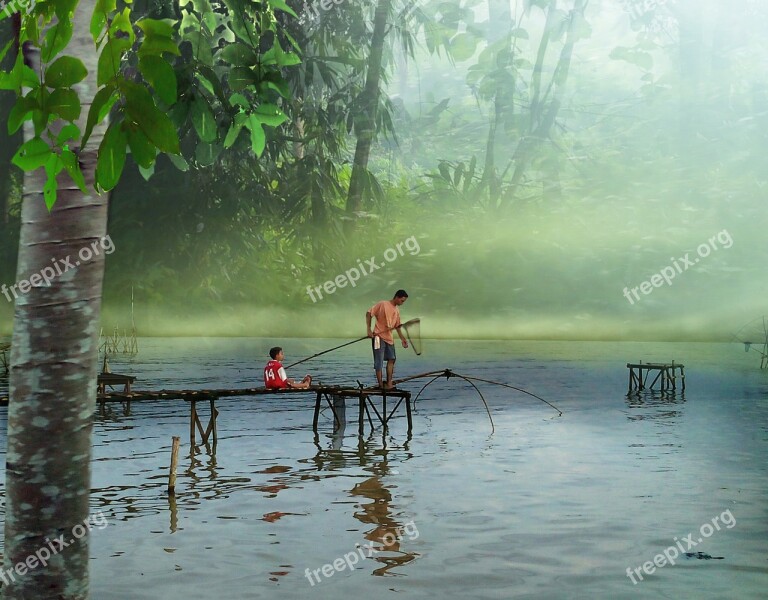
(53, 370)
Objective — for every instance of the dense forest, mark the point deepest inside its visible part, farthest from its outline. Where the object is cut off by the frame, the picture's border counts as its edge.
(531, 159)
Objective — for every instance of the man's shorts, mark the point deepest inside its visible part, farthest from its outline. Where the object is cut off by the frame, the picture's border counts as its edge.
(384, 352)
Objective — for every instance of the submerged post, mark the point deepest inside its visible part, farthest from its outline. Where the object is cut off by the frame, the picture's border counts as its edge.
(174, 465)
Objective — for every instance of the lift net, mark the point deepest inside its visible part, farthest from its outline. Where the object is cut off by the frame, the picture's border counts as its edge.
(412, 330)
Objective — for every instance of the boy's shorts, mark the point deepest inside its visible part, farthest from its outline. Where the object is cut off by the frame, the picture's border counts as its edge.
(384, 352)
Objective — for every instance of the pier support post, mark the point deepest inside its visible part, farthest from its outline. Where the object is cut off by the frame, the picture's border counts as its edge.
(317, 410)
(408, 411)
(174, 465)
(360, 416)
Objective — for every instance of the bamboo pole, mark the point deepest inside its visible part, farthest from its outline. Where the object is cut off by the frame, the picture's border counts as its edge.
(174, 465)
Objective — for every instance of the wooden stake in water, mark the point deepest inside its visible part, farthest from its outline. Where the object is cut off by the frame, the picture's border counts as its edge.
(174, 464)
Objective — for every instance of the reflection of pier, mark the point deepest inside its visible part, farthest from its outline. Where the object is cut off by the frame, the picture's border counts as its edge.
(333, 395)
(665, 373)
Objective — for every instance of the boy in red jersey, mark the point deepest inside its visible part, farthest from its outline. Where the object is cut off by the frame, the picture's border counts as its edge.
(274, 373)
(387, 316)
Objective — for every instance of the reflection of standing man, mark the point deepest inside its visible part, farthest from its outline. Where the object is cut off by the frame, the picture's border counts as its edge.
(387, 315)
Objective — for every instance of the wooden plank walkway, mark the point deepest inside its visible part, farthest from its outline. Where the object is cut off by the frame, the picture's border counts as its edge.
(666, 375)
(366, 406)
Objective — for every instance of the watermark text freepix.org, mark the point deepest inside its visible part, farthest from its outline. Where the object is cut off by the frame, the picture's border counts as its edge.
(668, 273)
(51, 548)
(60, 266)
(13, 6)
(353, 275)
(670, 554)
(350, 559)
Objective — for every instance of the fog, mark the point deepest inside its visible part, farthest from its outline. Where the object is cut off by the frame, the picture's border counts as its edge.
(630, 206)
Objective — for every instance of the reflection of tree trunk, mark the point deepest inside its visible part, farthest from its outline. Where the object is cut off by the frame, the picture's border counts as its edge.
(366, 120)
(53, 370)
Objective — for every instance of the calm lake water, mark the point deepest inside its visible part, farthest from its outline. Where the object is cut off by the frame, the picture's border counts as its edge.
(544, 507)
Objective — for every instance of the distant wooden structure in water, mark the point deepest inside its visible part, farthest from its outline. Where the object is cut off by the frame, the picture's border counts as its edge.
(665, 374)
(331, 394)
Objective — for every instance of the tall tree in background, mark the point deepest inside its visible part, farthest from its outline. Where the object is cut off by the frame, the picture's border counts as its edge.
(365, 124)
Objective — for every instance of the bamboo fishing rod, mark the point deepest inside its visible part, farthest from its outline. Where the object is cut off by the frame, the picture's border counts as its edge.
(360, 339)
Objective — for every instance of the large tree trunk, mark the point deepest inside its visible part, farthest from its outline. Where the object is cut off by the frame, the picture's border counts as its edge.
(366, 127)
(53, 371)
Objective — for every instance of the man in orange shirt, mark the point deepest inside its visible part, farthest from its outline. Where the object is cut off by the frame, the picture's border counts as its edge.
(387, 315)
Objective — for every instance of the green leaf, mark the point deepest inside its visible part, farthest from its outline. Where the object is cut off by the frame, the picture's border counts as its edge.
(13, 80)
(29, 78)
(110, 59)
(100, 107)
(156, 45)
(201, 47)
(240, 78)
(154, 123)
(181, 164)
(142, 150)
(20, 112)
(281, 87)
(4, 51)
(208, 77)
(157, 27)
(99, 17)
(52, 168)
(56, 39)
(32, 155)
(111, 157)
(281, 5)
(238, 54)
(463, 46)
(122, 23)
(269, 114)
(64, 102)
(70, 131)
(160, 75)
(239, 100)
(148, 172)
(72, 165)
(234, 130)
(65, 71)
(203, 120)
(206, 154)
(258, 139)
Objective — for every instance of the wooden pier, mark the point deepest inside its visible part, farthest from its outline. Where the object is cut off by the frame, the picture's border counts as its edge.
(330, 394)
(665, 374)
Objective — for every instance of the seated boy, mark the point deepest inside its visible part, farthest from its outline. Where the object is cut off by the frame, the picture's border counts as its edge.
(274, 373)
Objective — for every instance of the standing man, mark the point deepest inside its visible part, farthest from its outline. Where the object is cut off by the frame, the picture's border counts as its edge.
(387, 315)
